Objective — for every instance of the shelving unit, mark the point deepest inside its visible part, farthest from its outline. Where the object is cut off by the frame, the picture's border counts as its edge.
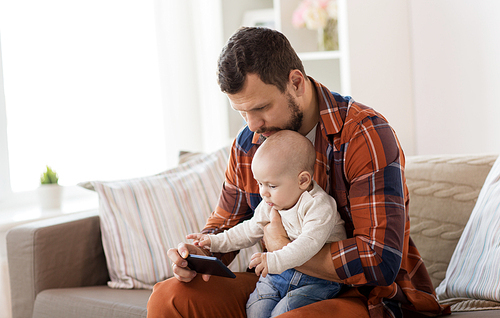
(331, 68)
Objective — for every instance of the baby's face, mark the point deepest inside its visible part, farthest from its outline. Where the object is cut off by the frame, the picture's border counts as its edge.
(278, 188)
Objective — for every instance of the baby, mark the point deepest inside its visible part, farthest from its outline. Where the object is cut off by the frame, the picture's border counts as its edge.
(283, 167)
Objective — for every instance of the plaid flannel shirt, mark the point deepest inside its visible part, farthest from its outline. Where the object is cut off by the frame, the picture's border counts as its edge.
(360, 163)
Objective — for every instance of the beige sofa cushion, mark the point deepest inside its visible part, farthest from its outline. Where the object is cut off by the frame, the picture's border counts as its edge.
(92, 301)
(443, 183)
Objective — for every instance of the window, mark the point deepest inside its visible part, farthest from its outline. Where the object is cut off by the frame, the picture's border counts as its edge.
(82, 90)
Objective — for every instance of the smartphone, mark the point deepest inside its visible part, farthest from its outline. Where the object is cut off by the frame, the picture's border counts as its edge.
(208, 265)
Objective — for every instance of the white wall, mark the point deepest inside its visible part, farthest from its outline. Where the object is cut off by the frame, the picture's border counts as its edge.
(380, 62)
(432, 67)
(456, 64)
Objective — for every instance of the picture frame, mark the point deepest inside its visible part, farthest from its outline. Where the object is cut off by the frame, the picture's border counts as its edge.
(259, 18)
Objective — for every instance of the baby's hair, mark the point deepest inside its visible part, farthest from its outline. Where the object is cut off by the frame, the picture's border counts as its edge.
(296, 151)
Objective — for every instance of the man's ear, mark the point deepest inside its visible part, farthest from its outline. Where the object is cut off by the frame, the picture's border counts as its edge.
(304, 180)
(298, 82)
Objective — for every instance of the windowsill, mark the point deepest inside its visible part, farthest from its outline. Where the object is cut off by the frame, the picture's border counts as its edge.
(20, 208)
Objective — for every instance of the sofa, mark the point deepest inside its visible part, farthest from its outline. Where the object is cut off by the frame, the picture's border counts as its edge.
(58, 266)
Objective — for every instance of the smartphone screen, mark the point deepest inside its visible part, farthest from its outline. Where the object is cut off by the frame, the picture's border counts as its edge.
(208, 265)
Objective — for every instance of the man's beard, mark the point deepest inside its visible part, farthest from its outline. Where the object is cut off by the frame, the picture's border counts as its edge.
(295, 122)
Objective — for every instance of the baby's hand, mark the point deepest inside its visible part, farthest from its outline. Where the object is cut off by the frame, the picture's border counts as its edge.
(259, 261)
(201, 240)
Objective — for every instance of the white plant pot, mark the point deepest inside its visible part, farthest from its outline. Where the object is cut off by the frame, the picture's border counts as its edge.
(49, 196)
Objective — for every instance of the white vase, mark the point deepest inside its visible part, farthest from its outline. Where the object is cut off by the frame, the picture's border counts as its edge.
(49, 196)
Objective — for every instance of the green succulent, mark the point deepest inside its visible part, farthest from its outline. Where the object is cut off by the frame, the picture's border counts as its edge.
(49, 177)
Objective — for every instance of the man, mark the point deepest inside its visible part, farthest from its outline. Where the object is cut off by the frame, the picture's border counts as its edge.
(359, 162)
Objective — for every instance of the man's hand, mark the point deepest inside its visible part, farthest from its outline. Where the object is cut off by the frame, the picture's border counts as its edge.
(201, 240)
(320, 265)
(275, 236)
(179, 264)
(259, 261)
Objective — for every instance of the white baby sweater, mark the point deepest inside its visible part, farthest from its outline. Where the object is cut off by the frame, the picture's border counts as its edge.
(310, 223)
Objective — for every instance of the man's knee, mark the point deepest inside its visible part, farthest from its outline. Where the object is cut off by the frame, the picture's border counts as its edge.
(159, 303)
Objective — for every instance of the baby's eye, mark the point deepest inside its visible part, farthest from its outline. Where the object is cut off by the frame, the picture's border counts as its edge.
(272, 186)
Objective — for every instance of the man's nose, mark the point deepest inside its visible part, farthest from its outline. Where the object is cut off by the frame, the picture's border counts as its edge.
(254, 122)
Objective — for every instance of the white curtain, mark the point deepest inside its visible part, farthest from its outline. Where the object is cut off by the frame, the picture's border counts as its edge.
(4, 155)
(109, 89)
(189, 41)
(82, 89)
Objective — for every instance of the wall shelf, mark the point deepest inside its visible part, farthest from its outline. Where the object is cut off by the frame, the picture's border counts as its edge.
(323, 55)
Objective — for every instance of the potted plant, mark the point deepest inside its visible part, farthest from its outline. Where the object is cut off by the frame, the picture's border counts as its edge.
(49, 192)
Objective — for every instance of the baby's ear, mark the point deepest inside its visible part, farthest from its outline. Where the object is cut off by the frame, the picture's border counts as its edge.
(304, 180)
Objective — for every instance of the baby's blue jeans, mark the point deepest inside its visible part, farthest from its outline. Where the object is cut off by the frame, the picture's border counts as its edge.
(277, 294)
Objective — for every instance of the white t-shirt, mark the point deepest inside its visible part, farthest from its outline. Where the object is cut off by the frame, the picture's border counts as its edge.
(311, 135)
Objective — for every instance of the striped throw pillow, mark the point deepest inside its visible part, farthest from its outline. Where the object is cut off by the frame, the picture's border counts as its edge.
(142, 218)
(474, 269)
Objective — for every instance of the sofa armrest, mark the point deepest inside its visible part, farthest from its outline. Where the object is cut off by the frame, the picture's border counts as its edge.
(60, 252)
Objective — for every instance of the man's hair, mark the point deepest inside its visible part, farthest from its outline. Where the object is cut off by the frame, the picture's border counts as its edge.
(260, 51)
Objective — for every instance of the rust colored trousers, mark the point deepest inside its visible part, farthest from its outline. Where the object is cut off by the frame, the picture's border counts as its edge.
(226, 297)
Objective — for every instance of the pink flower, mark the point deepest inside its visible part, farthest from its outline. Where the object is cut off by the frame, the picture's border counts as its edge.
(299, 13)
(323, 4)
(314, 14)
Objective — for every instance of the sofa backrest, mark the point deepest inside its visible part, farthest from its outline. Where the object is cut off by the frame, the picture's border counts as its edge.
(443, 192)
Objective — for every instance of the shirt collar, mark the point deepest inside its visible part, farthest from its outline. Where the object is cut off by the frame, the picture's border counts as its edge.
(330, 117)
(257, 139)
